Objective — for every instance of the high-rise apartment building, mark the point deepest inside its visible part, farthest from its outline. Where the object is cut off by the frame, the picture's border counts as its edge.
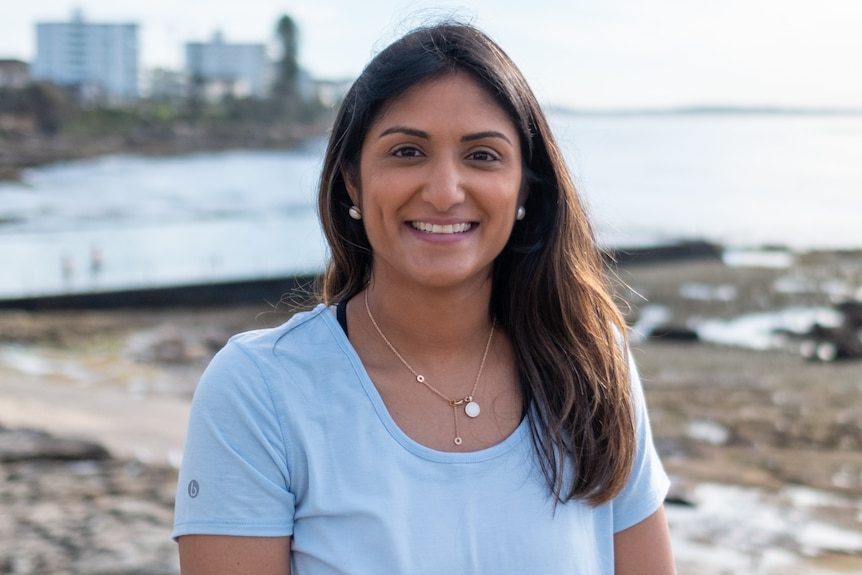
(220, 68)
(100, 60)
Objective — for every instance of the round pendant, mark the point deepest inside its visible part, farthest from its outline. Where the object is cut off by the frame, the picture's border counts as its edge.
(472, 409)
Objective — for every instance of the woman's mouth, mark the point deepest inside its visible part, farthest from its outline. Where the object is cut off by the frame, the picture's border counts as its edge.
(441, 229)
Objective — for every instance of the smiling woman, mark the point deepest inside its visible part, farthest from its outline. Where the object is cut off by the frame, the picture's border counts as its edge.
(462, 399)
(438, 184)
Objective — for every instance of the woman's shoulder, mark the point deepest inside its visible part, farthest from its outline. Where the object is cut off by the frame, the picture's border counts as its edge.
(305, 334)
(300, 345)
(297, 329)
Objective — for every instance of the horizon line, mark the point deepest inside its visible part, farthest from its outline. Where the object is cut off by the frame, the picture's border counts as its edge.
(699, 109)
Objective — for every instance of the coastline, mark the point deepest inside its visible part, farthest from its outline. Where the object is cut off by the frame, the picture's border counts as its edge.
(19, 152)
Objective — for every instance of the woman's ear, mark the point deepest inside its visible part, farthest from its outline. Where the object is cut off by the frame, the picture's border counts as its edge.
(524, 192)
(350, 182)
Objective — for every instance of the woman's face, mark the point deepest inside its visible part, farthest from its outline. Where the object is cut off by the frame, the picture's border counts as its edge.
(439, 183)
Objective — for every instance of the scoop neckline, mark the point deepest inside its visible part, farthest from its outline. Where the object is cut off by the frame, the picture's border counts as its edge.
(385, 418)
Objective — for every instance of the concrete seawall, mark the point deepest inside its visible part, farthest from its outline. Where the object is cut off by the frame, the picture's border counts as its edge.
(252, 291)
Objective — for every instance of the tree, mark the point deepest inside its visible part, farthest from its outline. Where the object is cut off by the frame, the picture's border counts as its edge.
(285, 91)
(48, 105)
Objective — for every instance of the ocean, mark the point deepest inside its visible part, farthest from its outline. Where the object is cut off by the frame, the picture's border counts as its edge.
(125, 221)
(735, 179)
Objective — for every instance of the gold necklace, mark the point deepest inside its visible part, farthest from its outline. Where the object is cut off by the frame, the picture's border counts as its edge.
(471, 407)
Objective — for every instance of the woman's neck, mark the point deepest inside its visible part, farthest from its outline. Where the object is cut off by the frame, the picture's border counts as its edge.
(433, 320)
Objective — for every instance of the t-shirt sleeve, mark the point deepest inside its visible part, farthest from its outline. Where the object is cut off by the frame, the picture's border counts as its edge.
(234, 477)
(648, 483)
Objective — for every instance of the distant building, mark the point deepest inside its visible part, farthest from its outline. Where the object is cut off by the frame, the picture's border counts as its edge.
(217, 68)
(162, 84)
(98, 60)
(14, 74)
(330, 93)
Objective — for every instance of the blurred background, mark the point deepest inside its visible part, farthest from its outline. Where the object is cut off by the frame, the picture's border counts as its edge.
(158, 170)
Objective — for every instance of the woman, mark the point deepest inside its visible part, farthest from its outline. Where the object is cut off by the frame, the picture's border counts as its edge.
(461, 401)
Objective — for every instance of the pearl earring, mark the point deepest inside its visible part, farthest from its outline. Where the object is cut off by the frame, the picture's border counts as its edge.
(354, 213)
(519, 215)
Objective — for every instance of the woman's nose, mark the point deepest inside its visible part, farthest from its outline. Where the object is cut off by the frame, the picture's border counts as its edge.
(444, 188)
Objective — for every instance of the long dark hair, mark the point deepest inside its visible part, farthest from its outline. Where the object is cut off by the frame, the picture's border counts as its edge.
(549, 291)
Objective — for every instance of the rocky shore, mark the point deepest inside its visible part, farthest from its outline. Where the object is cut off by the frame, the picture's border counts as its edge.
(69, 507)
(27, 150)
(764, 445)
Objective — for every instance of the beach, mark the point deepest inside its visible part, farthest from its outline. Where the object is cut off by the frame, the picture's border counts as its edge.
(762, 444)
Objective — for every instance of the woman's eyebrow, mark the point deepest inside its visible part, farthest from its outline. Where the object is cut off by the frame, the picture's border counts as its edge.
(405, 130)
(483, 135)
(425, 136)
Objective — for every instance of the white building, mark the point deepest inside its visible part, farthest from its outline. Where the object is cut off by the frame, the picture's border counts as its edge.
(100, 60)
(14, 74)
(164, 84)
(220, 68)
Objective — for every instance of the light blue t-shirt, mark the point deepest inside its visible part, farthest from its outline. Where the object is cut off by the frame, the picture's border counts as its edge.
(288, 436)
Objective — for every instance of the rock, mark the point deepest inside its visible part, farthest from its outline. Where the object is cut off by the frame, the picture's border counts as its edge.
(31, 444)
(852, 311)
(830, 343)
(94, 518)
(673, 252)
(172, 345)
(670, 332)
(67, 507)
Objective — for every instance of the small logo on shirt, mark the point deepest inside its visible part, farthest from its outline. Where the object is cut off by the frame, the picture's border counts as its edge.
(194, 488)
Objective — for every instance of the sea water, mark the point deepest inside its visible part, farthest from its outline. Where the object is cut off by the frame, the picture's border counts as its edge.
(121, 222)
(126, 221)
(735, 179)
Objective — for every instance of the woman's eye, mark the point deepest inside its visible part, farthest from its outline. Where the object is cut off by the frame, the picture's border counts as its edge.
(484, 156)
(406, 152)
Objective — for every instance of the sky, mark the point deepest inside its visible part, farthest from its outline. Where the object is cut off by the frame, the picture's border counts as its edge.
(583, 54)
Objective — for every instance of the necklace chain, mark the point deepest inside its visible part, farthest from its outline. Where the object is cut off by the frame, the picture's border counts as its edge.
(471, 408)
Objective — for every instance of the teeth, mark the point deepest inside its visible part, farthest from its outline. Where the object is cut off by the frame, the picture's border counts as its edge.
(438, 229)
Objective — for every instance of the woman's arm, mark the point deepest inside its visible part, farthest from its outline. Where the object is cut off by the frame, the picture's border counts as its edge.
(228, 555)
(644, 548)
